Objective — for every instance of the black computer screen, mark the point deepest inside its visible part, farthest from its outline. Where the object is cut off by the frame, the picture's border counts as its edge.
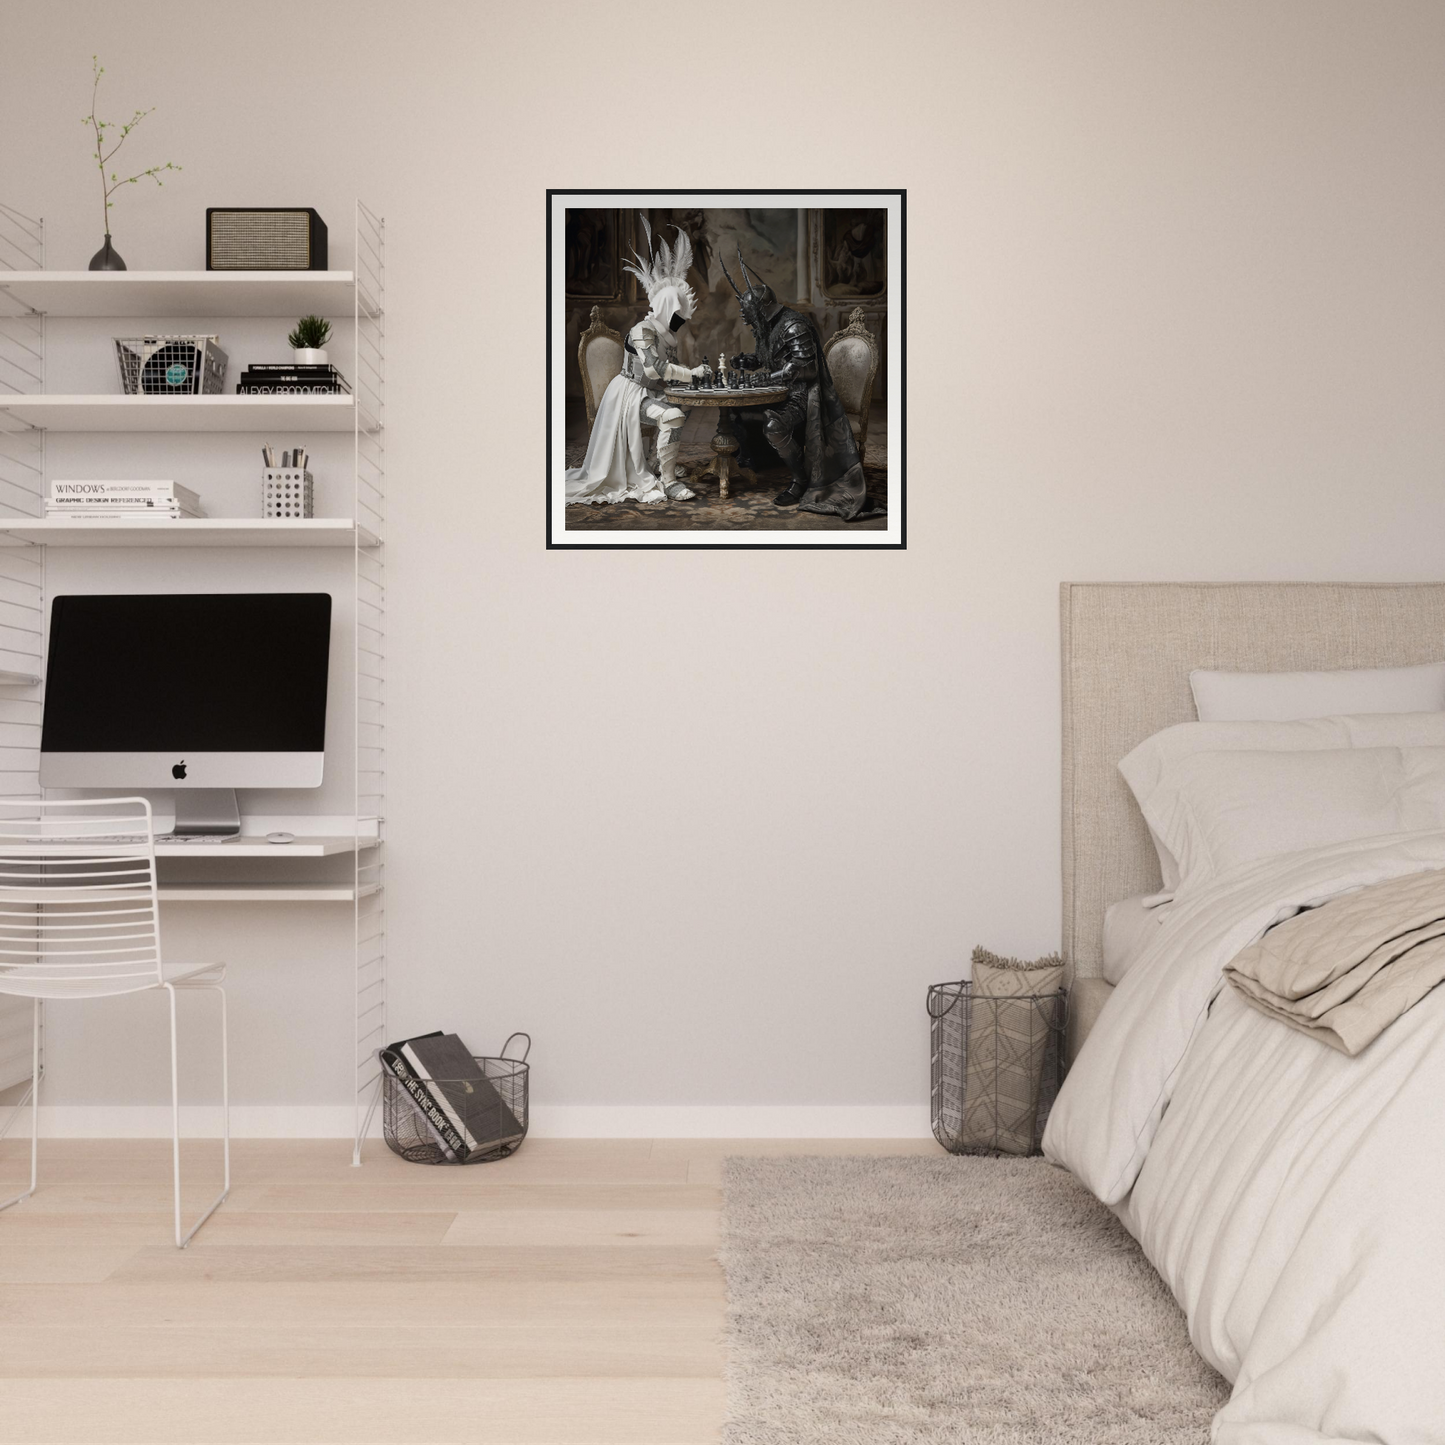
(235, 672)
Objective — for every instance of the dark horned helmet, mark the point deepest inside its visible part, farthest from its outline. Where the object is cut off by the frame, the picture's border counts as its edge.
(758, 302)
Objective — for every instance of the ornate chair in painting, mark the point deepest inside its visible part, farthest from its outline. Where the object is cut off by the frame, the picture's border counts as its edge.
(852, 357)
(599, 359)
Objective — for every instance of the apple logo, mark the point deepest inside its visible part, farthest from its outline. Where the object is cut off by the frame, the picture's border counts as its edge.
(179, 771)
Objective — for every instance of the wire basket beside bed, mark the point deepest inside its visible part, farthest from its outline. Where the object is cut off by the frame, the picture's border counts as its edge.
(997, 1064)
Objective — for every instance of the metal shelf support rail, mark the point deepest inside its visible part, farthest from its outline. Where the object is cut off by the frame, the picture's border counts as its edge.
(22, 585)
(368, 378)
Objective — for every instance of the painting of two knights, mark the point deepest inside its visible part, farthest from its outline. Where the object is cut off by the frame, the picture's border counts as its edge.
(726, 373)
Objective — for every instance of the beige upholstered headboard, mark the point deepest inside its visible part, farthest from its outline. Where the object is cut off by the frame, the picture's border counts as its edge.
(1127, 650)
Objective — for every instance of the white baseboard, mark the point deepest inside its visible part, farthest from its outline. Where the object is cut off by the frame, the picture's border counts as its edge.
(731, 1121)
(549, 1121)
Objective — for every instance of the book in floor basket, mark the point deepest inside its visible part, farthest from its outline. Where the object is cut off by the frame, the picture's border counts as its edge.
(461, 1106)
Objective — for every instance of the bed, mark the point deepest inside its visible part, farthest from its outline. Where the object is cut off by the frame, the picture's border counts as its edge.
(1292, 1198)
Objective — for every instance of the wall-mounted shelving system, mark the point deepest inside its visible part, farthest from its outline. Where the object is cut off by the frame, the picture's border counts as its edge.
(29, 294)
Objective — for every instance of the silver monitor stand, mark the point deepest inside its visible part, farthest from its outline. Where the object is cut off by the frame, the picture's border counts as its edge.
(207, 813)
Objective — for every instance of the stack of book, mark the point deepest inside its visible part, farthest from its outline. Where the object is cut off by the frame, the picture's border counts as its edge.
(90, 500)
(459, 1105)
(288, 379)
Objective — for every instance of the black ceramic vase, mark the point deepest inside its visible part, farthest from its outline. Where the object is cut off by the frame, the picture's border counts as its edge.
(107, 258)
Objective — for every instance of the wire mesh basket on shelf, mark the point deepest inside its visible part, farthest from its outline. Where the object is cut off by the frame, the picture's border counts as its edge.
(170, 365)
(410, 1133)
(997, 1064)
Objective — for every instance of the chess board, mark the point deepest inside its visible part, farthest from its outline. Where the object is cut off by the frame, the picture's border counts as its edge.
(739, 396)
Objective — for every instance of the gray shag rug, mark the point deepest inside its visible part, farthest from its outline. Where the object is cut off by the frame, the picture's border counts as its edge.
(973, 1301)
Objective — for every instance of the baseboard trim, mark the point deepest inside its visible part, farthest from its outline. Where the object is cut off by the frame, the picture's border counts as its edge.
(549, 1121)
(728, 1121)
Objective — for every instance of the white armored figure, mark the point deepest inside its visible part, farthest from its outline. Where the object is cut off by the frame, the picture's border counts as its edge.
(615, 468)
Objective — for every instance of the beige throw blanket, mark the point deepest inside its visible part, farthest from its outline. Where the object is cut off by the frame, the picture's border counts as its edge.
(1346, 971)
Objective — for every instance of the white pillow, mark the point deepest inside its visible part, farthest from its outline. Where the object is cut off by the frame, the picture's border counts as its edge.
(1130, 926)
(1216, 811)
(1145, 768)
(1283, 696)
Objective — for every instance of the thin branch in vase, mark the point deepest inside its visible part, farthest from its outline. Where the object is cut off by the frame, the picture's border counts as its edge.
(110, 182)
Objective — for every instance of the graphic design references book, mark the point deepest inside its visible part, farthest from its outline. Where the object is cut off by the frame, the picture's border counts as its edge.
(474, 1116)
(289, 379)
(92, 499)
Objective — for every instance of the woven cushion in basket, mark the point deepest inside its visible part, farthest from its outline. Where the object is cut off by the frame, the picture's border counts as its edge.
(1007, 1035)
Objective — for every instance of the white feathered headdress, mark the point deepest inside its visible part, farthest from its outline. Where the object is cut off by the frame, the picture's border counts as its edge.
(664, 275)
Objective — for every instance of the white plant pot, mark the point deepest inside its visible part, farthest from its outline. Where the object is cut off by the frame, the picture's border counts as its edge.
(309, 356)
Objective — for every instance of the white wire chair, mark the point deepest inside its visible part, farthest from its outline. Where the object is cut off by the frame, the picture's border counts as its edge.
(79, 918)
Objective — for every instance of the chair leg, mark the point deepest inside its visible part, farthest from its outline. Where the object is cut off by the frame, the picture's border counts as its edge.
(183, 1240)
(34, 1092)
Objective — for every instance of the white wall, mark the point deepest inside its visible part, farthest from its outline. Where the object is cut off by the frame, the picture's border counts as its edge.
(708, 823)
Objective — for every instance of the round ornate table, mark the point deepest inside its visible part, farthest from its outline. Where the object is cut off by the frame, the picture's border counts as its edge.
(728, 401)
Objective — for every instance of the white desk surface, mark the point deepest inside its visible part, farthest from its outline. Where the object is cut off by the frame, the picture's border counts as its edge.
(248, 846)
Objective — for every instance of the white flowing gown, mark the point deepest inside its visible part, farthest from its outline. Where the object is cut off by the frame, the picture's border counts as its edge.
(615, 467)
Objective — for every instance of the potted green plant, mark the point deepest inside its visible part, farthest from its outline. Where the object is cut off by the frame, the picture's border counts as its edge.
(308, 341)
(107, 258)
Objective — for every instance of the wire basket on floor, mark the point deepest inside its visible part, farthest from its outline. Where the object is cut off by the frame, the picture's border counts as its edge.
(408, 1132)
(997, 1066)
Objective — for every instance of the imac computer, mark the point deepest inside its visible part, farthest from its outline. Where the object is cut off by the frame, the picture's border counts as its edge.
(199, 693)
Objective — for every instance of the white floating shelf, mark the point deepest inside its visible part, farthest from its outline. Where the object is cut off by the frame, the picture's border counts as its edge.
(259, 892)
(187, 532)
(287, 294)
(182, 413)
(251, 847)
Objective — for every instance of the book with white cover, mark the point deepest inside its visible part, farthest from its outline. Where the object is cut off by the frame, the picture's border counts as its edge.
(74, 493)
(121, 503)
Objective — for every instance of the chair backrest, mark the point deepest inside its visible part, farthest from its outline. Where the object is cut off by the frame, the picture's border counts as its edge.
(852, 357)
(599, 359)
(78, 902)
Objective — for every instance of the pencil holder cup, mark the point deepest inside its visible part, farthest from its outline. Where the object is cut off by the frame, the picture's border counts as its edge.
(286, 492)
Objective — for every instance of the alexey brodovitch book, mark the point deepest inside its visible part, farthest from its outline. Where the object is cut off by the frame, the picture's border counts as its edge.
(285, 378)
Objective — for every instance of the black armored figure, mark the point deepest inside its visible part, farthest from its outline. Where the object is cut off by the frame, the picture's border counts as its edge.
(810, 430)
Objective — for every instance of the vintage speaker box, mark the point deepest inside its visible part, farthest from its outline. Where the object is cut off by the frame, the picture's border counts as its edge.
(265, 238)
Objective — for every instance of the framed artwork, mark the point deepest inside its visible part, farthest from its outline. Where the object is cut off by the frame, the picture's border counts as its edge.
(726, 369)
(593, 268)
(852, 253)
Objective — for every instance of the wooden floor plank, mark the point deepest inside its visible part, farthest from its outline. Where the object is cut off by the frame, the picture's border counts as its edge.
(362, 1412)
(461, 1351)
(227, 1226)
(66, 1263)
(205, 1264)
(120, 1305)
(574, 1227)
(445, 1196)
(126, 1198)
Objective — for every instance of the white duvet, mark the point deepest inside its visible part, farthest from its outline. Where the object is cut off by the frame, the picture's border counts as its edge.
(1293, 1198)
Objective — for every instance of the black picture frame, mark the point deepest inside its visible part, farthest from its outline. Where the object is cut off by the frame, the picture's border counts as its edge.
(898, 364)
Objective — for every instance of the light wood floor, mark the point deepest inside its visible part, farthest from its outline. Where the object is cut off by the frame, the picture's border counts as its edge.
(566, 1296)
